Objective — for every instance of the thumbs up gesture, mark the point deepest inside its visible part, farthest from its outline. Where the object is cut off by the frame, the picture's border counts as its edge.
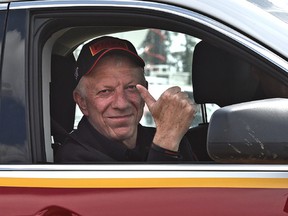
(173, 114)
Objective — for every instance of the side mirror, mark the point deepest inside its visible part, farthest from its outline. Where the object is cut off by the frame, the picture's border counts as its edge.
(252, 132)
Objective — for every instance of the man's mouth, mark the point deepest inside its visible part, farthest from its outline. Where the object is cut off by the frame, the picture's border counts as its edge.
(121, 117)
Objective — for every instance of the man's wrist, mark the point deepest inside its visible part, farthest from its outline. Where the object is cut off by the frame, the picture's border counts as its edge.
(175, 154)
(167, 142)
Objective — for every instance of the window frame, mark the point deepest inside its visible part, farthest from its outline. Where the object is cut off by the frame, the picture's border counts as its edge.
(183, 20)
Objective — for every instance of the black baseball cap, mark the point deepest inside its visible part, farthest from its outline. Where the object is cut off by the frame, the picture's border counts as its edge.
(93, 51)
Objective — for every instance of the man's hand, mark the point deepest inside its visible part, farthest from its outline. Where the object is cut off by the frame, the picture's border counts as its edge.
(173, 113)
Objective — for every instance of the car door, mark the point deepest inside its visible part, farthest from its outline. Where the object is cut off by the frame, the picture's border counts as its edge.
(46, 36)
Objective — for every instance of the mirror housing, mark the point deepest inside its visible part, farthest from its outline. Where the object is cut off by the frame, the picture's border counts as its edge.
(251, 132)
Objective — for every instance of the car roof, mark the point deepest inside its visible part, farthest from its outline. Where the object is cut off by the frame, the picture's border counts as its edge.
(243, 15)
(246, 16)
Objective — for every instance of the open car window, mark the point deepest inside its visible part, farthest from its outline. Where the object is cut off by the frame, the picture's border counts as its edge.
(223, 72)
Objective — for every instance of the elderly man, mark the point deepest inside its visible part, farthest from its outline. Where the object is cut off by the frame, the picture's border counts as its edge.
(111, 93)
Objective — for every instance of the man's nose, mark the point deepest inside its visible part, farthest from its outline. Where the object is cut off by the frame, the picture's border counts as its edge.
(120, 100)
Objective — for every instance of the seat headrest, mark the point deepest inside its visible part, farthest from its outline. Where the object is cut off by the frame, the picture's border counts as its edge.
(220, 77)
(62, 105)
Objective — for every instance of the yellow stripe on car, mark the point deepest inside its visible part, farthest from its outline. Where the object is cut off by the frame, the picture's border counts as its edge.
(145, 182)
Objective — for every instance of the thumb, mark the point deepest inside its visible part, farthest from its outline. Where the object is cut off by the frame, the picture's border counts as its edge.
(147, 97)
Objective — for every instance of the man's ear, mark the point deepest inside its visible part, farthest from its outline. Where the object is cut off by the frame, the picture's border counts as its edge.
(81, 102)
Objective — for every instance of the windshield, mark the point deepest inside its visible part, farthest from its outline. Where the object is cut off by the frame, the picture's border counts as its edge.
(278, 8)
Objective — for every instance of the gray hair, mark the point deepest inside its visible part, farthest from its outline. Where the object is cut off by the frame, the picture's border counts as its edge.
(81, 87)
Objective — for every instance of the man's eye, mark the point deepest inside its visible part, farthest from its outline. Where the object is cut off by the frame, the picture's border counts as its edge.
(131, 87)
(105, 92)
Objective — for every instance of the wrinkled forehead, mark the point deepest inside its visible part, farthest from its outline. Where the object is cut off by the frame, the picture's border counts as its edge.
(115, 63)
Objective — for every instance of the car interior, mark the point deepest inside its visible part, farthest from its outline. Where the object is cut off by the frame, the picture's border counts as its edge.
(218, 76)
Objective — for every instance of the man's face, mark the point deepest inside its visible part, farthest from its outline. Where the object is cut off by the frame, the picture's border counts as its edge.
(112, 103)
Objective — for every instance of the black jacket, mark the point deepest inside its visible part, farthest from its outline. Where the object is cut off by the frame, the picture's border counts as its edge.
(87, 145)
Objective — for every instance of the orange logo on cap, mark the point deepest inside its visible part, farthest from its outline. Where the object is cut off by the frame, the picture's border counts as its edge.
(107, 44)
